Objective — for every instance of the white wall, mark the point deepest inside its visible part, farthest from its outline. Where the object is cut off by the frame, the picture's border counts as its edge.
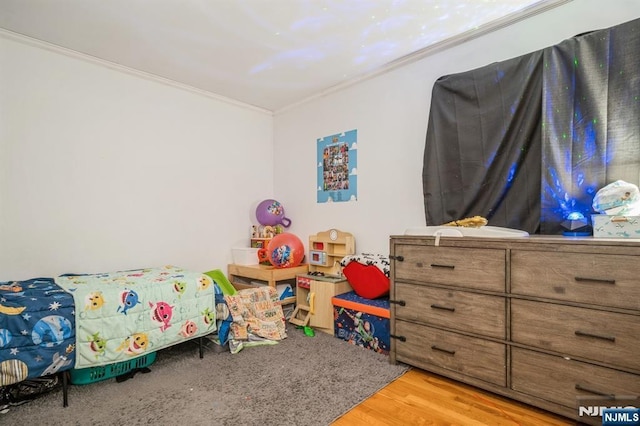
(390, 112)
(102, 169)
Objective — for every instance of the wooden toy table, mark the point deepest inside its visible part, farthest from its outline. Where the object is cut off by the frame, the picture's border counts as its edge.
(241, 276)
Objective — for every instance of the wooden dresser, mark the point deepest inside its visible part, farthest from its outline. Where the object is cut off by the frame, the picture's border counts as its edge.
(550, 321)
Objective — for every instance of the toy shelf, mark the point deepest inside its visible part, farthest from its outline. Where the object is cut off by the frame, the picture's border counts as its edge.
(326, 250)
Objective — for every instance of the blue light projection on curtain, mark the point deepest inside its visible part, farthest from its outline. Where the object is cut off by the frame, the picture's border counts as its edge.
(591, 120)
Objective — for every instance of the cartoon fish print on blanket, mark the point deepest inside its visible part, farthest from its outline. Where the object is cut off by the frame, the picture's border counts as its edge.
(135, 344)
(179, 287)
(93, 301)
(128, 300)
(209, 317)
(161, 313)
(97, 344)
(188, 329)
(204, 282)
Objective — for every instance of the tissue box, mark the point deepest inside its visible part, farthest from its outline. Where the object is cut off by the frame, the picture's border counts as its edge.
(606, 226)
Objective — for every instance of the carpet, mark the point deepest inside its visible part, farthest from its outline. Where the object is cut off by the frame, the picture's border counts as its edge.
(301, 381)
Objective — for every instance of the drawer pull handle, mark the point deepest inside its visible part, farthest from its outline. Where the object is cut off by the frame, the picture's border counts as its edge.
(595, 392)
(594, 280)
(448, 351)
(398, 302)
(444, 308)
(401, 338)
(398, 258)
(597, 336)
(435, 265)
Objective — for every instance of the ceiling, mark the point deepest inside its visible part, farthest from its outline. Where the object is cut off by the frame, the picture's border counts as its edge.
(270, 54)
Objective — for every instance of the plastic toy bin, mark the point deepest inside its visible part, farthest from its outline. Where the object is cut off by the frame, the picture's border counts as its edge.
(245, 255)
(362, 322)
(84, 376)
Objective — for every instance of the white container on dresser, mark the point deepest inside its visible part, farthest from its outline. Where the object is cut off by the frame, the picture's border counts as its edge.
(549, 321)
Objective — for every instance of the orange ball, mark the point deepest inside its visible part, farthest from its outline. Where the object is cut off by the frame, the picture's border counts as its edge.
(283, 251)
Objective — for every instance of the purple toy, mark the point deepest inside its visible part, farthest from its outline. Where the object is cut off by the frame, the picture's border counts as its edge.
(271, 213)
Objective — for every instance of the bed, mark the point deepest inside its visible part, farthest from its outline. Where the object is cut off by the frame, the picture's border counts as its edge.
(85, 321)
(37, 330)
(79, 321)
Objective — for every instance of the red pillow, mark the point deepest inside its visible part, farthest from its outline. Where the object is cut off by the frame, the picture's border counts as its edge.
(367, 281)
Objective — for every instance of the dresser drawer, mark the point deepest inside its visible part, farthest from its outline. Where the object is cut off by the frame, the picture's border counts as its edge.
(562, 381)
(607, 337)
(473, 357)
(600, 279)
(460, 310)
(463, 267)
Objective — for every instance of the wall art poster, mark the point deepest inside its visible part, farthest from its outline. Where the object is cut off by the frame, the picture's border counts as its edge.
(338, 167)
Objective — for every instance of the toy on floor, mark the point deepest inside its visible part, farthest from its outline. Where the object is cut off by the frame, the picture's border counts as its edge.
(308, 331)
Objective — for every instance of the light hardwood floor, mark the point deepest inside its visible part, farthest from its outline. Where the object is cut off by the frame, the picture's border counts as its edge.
(422, 398)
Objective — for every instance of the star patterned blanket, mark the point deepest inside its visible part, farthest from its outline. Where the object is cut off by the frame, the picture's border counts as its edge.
(37, 330)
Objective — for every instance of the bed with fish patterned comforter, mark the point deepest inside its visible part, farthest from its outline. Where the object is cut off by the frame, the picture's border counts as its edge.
(124, 315)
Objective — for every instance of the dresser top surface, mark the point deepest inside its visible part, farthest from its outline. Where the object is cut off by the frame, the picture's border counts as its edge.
(532, 242)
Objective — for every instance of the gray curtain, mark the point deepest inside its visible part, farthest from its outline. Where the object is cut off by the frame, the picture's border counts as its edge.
(526, 141)
(591, 110)
(482, 153)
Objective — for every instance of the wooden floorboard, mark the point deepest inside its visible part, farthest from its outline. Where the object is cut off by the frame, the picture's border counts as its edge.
(421, 398)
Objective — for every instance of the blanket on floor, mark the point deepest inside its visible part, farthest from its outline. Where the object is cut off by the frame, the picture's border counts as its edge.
(257, 318)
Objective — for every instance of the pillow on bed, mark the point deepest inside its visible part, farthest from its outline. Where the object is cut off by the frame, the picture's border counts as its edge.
(366, 276)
